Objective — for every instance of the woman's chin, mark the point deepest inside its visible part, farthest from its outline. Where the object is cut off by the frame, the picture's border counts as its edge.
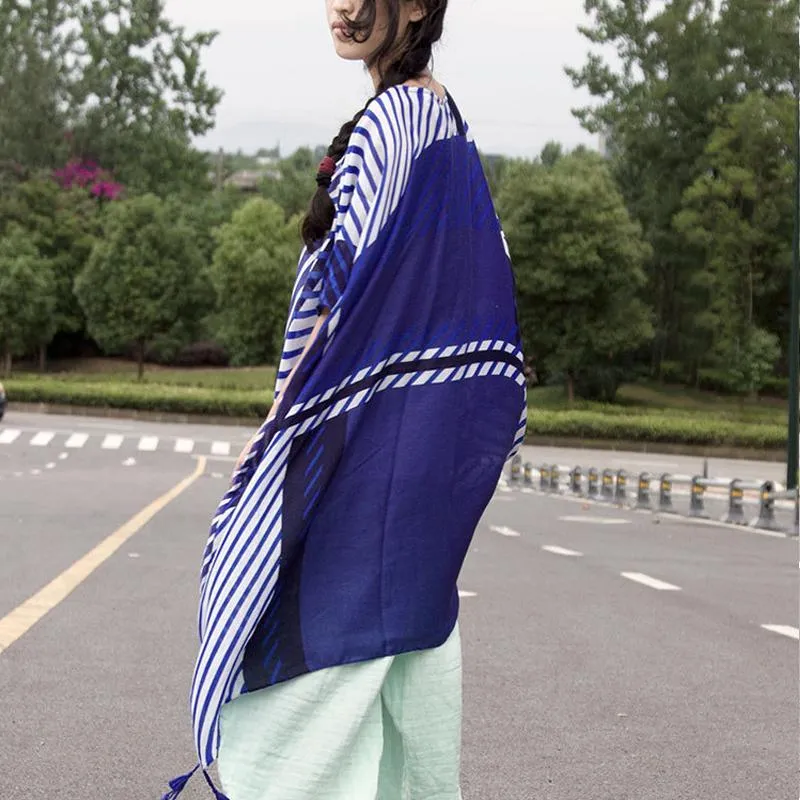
(348, 51)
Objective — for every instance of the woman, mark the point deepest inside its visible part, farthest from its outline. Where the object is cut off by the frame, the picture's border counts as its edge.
(330, 661)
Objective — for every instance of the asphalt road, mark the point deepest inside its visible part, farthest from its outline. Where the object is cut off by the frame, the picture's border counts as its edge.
(608, 655)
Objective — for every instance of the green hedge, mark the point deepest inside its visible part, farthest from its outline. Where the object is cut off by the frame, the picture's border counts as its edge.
(653, 426)
(141, 397)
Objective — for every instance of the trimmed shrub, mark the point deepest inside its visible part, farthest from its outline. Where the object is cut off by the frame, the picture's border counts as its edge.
(653, 427)
(142, 397)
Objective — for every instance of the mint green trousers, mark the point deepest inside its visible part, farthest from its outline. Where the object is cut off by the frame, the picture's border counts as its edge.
(388, 729)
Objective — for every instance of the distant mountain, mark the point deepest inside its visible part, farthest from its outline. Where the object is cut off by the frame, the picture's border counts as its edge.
(250, 137)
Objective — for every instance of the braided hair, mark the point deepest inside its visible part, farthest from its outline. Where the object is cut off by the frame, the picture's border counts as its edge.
(397, 62)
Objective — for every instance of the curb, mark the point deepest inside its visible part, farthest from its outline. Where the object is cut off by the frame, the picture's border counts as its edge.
(132, 414)
(659, 448)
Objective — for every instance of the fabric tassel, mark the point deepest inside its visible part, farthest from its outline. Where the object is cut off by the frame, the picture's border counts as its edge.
(217, 793)
(177, 785)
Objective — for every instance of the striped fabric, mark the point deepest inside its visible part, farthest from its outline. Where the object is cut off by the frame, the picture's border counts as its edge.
(342, 535)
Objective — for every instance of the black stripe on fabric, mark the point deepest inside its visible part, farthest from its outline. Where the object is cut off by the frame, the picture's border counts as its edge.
(399, 368)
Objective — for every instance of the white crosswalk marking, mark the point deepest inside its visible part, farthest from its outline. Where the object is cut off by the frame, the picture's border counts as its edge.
(110, 441)
(8, 436)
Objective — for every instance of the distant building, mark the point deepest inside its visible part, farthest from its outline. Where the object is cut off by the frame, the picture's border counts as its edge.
(268, 157)
(247, 180)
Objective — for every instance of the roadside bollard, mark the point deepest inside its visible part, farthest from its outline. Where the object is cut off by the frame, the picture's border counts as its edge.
(643, 495)
(516, 469)
(621, 494)
(736, 504)
(544, 478)
(527, 474)
(576, 481)
(665, 494)
(608, 486)
(555, 479)
(593, 481)
(697, 503)
(766, 514)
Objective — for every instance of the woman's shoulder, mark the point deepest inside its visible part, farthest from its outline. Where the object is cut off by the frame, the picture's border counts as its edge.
(407, 116)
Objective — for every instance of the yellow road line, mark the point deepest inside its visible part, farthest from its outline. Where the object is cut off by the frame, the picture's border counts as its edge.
(24, 617)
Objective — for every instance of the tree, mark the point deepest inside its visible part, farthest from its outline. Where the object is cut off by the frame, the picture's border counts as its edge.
(253, 272)
(551, 153)
(27, 296)
(678, 62)
(116, 78)
(145, 275)
(578, 258)
(62, 225)
(35, 42)
(293, 190)
(751, 362)
(738, 214)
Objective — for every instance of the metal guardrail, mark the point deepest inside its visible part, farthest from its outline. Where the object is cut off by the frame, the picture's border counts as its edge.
(615, 487)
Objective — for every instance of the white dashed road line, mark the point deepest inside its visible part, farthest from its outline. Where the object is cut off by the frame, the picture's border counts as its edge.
(77, 440)
(783, 630)
(148, 444)
(653, 583)
(220, 448)
(8, 436)
(463, 594)
(112, 442)
(184, 445)
(561, 551)
(503, 531)
(42, 439)
(595, 520)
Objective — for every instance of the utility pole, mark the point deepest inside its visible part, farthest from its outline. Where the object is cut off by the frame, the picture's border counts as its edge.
(793, 454)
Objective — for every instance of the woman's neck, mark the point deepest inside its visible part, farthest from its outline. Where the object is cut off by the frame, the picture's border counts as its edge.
(424, 80)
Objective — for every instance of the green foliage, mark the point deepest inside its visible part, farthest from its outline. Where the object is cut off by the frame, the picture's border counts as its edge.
(115, 78)
(738, 214)
(253, 273)
(655, 428)
(753, 364)
(144, 275)
(35, 47)
(27, 295)
(293, 190)
(62, 225)
(578, 259)
(593, 425)
(142, 397)
(675, 65)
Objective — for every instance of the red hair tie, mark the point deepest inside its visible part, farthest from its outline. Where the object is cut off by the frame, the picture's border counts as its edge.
(325, 172)
(327, 166)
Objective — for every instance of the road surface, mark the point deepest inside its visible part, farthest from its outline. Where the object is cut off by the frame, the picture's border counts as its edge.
(608, 654)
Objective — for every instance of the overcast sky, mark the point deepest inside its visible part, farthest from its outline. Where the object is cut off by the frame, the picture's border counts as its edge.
(501, 59)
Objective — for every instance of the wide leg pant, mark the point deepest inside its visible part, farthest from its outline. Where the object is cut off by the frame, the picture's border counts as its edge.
(388, 729)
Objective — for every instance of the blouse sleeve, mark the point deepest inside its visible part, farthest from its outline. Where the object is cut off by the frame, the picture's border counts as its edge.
(371, 179)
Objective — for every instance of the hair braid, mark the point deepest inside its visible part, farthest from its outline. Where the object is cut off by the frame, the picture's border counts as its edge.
(404, 63)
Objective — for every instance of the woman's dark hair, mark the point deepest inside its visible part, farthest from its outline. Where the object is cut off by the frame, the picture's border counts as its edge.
(397, 63)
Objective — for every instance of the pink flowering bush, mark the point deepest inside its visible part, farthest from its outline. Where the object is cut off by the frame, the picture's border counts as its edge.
(88, 175)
